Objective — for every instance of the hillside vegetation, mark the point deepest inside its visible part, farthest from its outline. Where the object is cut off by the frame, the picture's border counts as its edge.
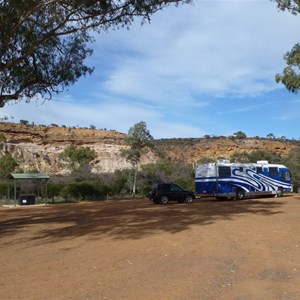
(39, 149)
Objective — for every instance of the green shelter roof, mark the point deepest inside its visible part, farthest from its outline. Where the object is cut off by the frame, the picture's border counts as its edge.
(29, 176)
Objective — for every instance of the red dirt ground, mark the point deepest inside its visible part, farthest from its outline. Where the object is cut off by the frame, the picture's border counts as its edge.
(132, 249)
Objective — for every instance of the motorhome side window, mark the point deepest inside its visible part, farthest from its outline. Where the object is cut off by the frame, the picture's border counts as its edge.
(224, 171)
(259, 170)
(273, 171)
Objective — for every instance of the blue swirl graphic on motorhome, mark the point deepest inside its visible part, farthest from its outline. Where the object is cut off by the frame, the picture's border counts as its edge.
(227, 178)
(250, 178)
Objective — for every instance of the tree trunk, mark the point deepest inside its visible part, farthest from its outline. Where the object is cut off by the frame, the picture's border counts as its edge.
(134, 180)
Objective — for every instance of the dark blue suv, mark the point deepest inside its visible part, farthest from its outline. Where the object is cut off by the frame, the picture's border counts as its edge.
(165, 192)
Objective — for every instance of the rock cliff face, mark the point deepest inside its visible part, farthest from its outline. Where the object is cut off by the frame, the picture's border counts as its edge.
(36, 148)
(191, 150)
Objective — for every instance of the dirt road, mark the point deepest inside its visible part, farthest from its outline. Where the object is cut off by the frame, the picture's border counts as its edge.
(133, 249)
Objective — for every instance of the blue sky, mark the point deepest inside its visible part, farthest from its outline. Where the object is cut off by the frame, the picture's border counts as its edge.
(202, 69)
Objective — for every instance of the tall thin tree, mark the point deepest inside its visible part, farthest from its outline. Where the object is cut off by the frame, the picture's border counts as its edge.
(138, 143)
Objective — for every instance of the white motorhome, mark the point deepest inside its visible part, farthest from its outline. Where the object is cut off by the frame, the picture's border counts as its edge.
(238, 180)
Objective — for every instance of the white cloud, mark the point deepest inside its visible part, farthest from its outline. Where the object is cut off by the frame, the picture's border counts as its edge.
(160, 73)
(114, 115)
(211, 48)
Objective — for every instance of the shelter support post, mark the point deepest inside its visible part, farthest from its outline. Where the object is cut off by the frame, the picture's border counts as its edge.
(8, 191)
(46, 192)
(15, 192)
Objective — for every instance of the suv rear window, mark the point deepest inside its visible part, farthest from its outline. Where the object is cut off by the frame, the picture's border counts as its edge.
(175, 188)
(164, 186)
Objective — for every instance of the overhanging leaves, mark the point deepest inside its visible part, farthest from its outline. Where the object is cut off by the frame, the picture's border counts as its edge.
(44, 43)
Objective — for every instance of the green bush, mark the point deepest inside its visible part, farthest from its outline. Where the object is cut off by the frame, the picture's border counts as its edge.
(4, 188)
(84, 190)
(292, 161)
(54, 190)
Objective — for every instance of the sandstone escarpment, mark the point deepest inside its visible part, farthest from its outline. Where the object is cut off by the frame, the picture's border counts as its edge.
(43, 135)
(36, 148)
(191, 150)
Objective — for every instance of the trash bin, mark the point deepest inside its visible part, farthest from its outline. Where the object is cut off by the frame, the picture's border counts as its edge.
(27, 199)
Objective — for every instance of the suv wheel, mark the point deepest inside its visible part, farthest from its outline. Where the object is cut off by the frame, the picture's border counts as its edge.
(188, 199)
(164, 199)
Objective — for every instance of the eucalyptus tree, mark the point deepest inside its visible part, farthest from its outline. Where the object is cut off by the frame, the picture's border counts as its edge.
(44, 43)
(139, 142)
(290, 76)
(8, 164)
(76, 158)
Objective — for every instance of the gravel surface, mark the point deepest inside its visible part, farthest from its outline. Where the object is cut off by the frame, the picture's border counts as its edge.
(133, 249)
